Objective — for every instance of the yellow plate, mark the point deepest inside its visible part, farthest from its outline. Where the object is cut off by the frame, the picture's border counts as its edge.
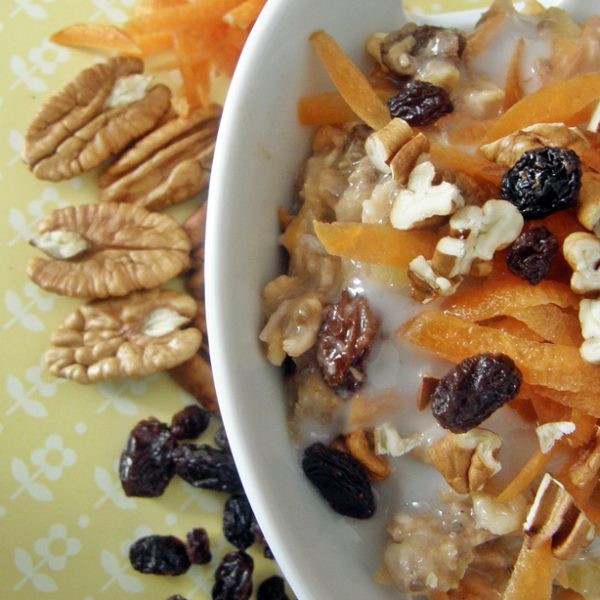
(65, 524)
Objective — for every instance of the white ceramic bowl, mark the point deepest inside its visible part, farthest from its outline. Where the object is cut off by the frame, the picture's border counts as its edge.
(260, 148)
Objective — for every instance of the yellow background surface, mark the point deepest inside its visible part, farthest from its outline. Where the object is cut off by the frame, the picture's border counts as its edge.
(65, 525)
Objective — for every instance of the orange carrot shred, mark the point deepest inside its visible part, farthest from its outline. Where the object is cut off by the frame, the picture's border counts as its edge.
(154, 43)
(244, 14)
(328, 108)
(449, 157)
(105, 37)
(513, 91)
(350, 82)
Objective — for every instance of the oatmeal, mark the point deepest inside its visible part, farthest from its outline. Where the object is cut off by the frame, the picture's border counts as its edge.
(432, 311)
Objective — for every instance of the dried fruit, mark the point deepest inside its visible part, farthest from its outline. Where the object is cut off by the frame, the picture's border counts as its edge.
(176, 597)
(189, 422)
(238, 521)
(125, 337)
(221, 439)
(233, 577)
(198, 546)
(420, 103)
(159, 555)
(206, 467)
(260, 539)
(531, 254)
(146, 465)
(347, 333)
(340, 479)
(543, 181)
(102, 250)
(272, 588)
(474, 389)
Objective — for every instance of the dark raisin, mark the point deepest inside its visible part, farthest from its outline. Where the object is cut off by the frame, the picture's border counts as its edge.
(531, 254)
(272, 588)
(197, 545)
(190, 422)
(221, 439)
(347, 333)
(341, 479)
(146, 465)
(233, 577)
(260, 539)
(420, 103)
(238, 521)
(543, 181)
(206, 467)
(176, 597)
(159, 555)
(474, 389)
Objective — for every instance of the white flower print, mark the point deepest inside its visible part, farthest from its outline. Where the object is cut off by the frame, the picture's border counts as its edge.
(57, 547)
(53, 458)
(47, 56)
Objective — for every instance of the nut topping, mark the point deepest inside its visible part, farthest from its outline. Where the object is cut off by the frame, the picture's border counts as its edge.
(548, 433)
(77, 129)
(466, 460)
(61, 243)
(554, 515)
(127, 337)
(389, 441)
(167, 166)
(359, 443)
(582, 252)
(128, 249)
(383, 144)
(588, 205)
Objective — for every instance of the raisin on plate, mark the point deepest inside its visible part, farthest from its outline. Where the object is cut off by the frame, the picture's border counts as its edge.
(206, 467)
(420, 103)
(474, 389)
(340, 479)
(530, 256)
(146, 465)
(221, 439)
(348, 331)
(233, 577)
(272, 588)
(260, 539)
(543, 181)
(197, 546)
(238, 522)
(159, 555)
(190, 422)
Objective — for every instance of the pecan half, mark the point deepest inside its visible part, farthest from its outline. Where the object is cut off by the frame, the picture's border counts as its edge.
(167, 166)
(86, 122)
(126, 337)
(105, 250)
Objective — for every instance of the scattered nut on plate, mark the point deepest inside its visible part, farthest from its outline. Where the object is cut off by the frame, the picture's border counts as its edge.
(106, 107)
(134, 336)
(102, 250)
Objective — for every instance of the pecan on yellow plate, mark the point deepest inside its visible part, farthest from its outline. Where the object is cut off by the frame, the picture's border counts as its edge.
(169, 165)
(94, 117)
(102, 250)
(134, 336)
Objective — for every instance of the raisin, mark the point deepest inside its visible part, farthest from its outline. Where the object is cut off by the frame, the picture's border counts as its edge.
(197, 546)
(531, 254)
(233, 577)
(238, 521)
(260, 538)
(146, 465)
(272, 588)
(221, 439)
(341, 479)
(347, 333)
(176, 597)
(420, 103)
(543, 181)
(159, 555)
(206, 467)
(189, 422)
(474, 389)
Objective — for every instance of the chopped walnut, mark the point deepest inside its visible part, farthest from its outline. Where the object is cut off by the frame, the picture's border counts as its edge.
(195, 377)
(167, 166)
(360, 444)
(126, 248)
(77, 129)
(126, 337)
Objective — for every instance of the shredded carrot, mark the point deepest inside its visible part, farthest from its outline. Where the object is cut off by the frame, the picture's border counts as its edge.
(591, 157)
(244, 14)
(437, 595)
(452, 158)
(350, 82)
(585, 427)
(532, 469)
(564, 594)
(88, 35)
(513, 90)
(328, 108)
(154, 43)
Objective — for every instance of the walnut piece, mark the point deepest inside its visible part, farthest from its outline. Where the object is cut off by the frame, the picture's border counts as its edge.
(360, 445)
(76, 130)
(107, 339)
(167, 166)
(127, 249)
(195, 377)
(466, 460)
